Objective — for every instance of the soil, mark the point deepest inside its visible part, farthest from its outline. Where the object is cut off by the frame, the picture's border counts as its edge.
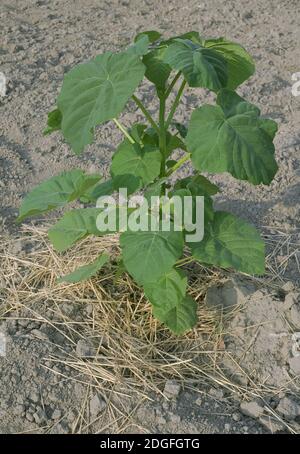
(40, 41)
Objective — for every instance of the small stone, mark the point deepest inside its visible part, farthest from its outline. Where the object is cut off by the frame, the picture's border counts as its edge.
(227, 427)
(290, 300)
(97, 404)
(40, 335)
(198, 401)
(56, 414)
(271, 424)
(19, 409)
(84, 349)
(295, 365)
(29, 417)
(252, 409)
(216, 393)
(175, 419)
(295, 315)
(172, 389)
(39, 416)
(288, 408)
(61, 428)
(236, 416)
(34, 397)
(288, 286)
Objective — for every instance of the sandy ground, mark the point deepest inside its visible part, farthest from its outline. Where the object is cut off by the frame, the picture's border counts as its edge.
(41, 40)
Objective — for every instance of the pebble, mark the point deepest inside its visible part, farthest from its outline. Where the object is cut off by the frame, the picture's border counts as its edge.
(97, 404)
(84, 349)
(288, 408)
(172, 389)
(40, 416)
(56, 414)
(252, 409)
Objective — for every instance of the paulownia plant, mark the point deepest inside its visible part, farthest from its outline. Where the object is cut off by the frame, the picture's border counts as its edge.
(230, 136)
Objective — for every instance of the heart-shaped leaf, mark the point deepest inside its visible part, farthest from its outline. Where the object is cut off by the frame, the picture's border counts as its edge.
(56, 192)
(139, 161)
(240, 64)
(95, 92)
(86, 271)
(73, 226)
(232, 137)
(230, 242)
(149, 254)
(201, 67)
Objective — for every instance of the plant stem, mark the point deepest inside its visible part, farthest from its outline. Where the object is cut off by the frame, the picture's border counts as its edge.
(145, 112)
(178, 164)
(175, 104)
(162, 135)
(126, 134)
(170, 87)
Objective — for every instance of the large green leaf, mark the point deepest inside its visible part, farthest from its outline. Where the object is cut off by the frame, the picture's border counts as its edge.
(149, 254)
(86, 271)
(56, 192)
(239, 63)
(201, 67)
(73, 226)
(96, 92)
(232, 137)
(139, 161)
(230, 242)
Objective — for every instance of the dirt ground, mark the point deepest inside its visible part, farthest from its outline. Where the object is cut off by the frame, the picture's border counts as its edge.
(40, 41)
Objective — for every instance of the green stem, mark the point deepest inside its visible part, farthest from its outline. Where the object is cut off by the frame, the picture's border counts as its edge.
(170, 87)
(175, 104)
(162, 135)
(145, 112)
(126, 134)
(178, 164)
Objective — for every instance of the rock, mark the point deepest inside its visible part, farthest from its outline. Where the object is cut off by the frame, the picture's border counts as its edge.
(288, 286)
(290, 300)
(29, 417)
(295, 365)
(2, 84)
(216, 393)
(174, 419)
(61, 428)
(288, 408)
(84, 349)
(56, 414)
(295, 315)
(252, 409)
(40, 335)
(19, 409)
(97, 404)
(172, 389)
(227, 427)
(232, 293)
(271, 424)
(34, 397)
(236, 416)
(40, 416)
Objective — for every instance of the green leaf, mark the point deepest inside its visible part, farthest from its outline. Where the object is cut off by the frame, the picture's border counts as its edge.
(86, 271)
(152, 35)
(54, 122)
(73, 226)
(168, 290)
(170, 303)
(96, 92)
(150, 137)
(56, 192)
(154, 189)
(200, 66)
(232, 137)
(239, 63)
(182, 129)
(157, 71)
(181, 317)
(140, 46)
(132, 159)
(148, 255)
(230, 242)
